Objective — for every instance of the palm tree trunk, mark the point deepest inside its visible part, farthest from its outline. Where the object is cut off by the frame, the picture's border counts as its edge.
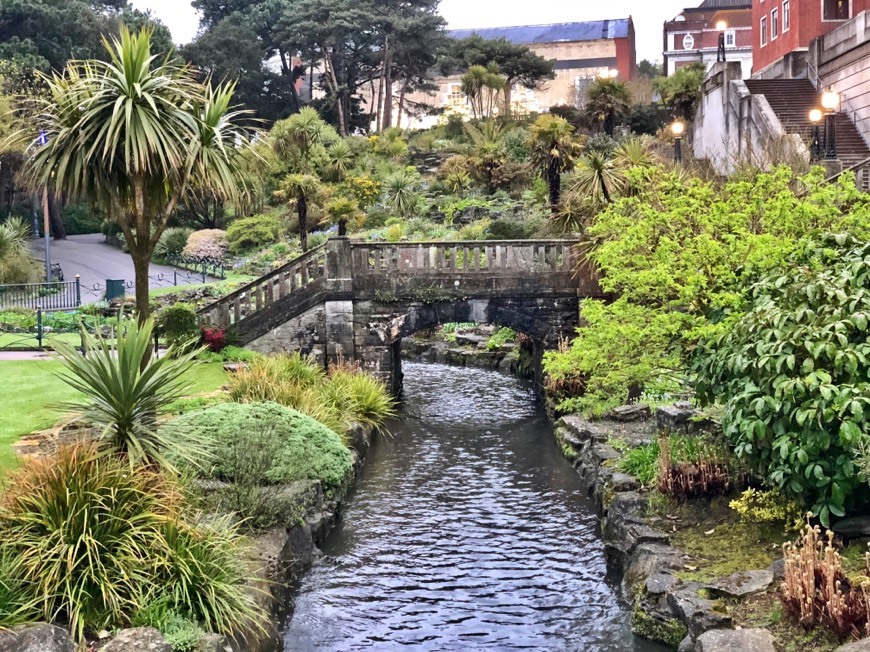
(302, 210)
(507, 97)
(604, 191)
(55, 213)
(554, 180)
(141, 262)
(342, 228)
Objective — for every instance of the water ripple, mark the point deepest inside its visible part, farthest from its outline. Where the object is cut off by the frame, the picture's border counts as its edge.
(466, 532)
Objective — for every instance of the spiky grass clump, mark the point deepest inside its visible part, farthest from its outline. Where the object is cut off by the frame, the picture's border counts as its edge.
(95, 538)
(344, 397)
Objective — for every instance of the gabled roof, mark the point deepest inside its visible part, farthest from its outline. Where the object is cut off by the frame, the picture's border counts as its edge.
(723, 4)
(592, 30)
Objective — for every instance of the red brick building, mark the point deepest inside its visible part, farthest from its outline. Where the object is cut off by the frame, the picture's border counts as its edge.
(693, 35)
(784, 26)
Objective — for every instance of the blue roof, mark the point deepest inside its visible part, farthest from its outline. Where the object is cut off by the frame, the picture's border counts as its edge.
(592, 30)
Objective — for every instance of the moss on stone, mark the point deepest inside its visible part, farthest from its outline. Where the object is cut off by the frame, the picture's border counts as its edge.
(670, 632)
(720, 545)
(569, 451)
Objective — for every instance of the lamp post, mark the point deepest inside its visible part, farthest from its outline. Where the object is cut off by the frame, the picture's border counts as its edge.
(816, 142)
(720, 52)
(677, 128)
(830, 102)
(46, 227)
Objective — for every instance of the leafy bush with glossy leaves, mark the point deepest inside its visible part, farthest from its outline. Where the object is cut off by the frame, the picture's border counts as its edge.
(254, 232)
(794, 373)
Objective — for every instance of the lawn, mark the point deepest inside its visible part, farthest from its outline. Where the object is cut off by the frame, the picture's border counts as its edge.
(28, 341)
(31, 397)
(229, 283)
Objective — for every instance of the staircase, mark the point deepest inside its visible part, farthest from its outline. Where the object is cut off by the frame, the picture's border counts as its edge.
(793, 99)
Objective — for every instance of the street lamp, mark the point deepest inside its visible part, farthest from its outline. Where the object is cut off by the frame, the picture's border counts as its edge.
(816, 142)
(42, 140)
(610, 73)
(831, 103)
(677, 129)
(720, 52)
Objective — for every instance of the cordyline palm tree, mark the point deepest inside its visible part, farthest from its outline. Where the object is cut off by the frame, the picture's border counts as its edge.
(553, 150)
(17, 265)
(296, 138)
(482, 85)
(607, 102)
(488, 150)
(131, 135)
(301, 190)
(597, 177)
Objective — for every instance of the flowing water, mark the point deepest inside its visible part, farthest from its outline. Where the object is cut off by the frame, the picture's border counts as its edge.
(466, 531)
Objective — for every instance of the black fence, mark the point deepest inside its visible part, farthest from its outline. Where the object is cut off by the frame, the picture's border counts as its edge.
(61, 295)
(204, 267)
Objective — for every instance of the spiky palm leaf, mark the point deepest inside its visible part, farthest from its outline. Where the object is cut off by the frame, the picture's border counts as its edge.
(125, 397)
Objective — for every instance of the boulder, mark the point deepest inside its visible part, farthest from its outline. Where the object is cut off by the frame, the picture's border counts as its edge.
(857, 527)
(686, 645)
(138, 639)
(855, 646)
(778, 569)
(648, 560)
(214, 643)
(628, 413)
(735, 640)
(41, 637)
(742, 584)
(698, 613)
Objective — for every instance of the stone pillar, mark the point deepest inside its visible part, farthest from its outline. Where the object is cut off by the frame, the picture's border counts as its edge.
(340, 344)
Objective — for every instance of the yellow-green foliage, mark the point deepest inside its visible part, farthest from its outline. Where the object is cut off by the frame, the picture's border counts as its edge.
(345, 397)
(761, 506)
(96, 539)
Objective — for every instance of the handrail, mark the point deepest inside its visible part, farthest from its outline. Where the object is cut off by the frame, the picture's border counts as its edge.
(259, 280)
(851, 168)
(462, 243)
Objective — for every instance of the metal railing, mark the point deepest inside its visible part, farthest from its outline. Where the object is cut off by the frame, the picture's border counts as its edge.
(60, 295)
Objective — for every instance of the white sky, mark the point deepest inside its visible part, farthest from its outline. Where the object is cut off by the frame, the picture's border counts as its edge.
(649, 15)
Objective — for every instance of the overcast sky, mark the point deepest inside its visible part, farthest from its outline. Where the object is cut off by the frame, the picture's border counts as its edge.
(648, 15)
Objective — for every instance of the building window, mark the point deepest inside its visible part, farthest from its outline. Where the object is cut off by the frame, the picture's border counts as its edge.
(763, 31)
(786, 15)
(836, 10)
(774, 24)
(730, 38)
(455, 96)
(688, 42)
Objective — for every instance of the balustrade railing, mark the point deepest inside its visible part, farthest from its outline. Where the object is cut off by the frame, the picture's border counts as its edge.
(300, 273)
(499, 258)
(495, 257)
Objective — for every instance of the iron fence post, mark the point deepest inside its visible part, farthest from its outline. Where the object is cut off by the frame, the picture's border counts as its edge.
(78, 291)
(175, 277)
(39, 326)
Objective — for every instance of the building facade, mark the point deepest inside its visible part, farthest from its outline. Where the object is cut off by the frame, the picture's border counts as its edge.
(580, 52)
(782, 27)
(693, 36)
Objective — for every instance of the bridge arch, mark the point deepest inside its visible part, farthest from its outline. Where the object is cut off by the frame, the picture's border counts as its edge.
(354, 300)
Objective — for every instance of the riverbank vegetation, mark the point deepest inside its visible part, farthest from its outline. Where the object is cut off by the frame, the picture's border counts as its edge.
(153, 486)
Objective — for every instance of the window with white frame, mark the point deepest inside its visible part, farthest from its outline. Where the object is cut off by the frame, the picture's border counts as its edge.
(730, 38)
(836, 9)
(774, 24)
(786, 15)
(763, 30)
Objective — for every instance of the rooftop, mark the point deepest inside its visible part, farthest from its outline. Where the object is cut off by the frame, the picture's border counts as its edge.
(592, 30)
(722, 4)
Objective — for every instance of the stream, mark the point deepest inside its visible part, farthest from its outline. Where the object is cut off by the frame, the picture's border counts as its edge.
(466, 530)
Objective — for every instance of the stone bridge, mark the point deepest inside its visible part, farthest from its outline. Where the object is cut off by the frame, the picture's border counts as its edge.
(355, 300)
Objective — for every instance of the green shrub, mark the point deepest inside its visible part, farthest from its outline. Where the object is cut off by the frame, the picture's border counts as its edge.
(182, 633)
(794, 375)
(207, 245)
(642, 462)
(501, 337)
(254, 232)
(18, 602)
(474, 231)
(308, 449)
(171, 243)
(178, 324)
(79, 219)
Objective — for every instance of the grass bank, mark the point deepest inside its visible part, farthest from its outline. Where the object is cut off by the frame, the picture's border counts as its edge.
(33, 396)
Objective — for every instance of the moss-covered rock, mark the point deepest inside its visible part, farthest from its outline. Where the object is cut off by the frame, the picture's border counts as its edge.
(669, 631)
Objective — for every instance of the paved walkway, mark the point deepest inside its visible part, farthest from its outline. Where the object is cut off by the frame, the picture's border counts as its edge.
(93, 260)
